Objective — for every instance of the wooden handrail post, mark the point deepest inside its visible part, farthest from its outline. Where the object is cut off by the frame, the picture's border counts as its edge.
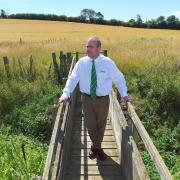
(155, 156)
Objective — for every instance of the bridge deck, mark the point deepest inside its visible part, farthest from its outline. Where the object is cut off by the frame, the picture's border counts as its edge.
(80, 166)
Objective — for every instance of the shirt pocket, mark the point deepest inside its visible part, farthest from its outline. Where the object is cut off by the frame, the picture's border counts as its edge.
(102, 76)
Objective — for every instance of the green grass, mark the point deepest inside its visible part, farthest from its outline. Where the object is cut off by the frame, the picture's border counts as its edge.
(12, 163)
(25, 121)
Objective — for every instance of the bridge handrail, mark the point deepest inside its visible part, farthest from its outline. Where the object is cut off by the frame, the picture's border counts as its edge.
(149, 145)
(55, 146)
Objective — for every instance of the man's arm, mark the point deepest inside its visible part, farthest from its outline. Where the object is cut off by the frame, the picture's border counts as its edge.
(119, 80)
(71, 83)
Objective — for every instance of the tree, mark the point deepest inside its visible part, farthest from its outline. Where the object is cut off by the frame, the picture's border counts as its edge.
(139, 21)
(99, 16)
(99, 19)
(88, 14)
(151, 23)
(3, 14)
(132, 23)
(172, 22)
(161, 22)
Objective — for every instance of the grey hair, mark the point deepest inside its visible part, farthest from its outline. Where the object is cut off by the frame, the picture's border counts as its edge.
(96, 39)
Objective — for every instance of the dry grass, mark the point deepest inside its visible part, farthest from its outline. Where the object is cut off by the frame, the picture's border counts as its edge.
(131, 48)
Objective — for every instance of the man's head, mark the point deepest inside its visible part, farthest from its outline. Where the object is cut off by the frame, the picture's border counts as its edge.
(93, 47)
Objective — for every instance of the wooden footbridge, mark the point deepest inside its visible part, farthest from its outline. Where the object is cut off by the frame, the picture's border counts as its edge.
(67, 157)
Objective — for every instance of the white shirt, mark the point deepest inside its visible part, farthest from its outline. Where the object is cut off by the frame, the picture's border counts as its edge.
(106, 72)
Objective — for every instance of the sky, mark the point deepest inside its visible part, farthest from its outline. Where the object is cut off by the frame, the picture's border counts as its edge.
(111, 9)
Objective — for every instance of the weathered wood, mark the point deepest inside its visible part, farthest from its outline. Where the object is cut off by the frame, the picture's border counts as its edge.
(155, 156)
(56, 165)
(52, 146)
(76, 160)
(64, 66)
(55, 146)
(77, 56)
(68, 60)
(128, 153)
(61, 67)
(94, 177)
(6, 65)
(94, 169)
(105, 52)
(61, 53)
(56, 68)
(20, 68)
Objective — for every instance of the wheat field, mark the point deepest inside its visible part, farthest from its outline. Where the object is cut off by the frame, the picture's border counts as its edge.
(129, 47)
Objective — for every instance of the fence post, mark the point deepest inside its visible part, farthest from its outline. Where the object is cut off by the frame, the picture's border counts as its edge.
(60, 66)
(77, 56)
(56, 69)
(6, 65)
(105, 52)
(21, 69)
(64, 65)
(69, 59)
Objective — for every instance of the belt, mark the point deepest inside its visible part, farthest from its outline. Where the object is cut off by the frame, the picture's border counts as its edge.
(96, 96)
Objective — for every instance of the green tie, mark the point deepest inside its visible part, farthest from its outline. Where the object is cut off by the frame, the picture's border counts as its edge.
(93, 81)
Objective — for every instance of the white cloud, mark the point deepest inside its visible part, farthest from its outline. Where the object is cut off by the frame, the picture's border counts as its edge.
(176, 13)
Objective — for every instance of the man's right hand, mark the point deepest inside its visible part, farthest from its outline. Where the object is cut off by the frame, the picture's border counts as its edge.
(62, 100)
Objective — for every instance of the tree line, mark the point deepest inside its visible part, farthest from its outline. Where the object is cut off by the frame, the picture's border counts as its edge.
(93, 17)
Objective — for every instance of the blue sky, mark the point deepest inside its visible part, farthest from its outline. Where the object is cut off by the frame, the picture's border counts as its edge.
(118, 9)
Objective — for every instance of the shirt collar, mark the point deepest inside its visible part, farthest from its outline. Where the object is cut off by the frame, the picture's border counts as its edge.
(100, 55)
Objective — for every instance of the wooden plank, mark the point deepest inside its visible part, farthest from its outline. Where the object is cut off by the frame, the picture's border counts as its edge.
(52, 146)
(139, 170)
(59, 146)
(84, 125)
(94, 177)
(155, 156)
(87, 138)
(114, 169)
(83, 133)
(79, 144)
(78, 160)
(131, 162)
(84, 152)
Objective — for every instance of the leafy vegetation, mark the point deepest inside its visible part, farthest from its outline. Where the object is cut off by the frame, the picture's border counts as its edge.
(25, 108)
(158, 96)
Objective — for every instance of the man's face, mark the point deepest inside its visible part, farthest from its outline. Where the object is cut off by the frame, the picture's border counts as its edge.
(92, 49)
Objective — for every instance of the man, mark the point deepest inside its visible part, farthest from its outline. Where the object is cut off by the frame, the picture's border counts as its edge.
(95, 74)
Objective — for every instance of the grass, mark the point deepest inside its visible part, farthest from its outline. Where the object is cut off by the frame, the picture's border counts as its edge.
(148, 58)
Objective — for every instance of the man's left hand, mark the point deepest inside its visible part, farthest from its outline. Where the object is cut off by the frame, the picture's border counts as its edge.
(128, 99)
